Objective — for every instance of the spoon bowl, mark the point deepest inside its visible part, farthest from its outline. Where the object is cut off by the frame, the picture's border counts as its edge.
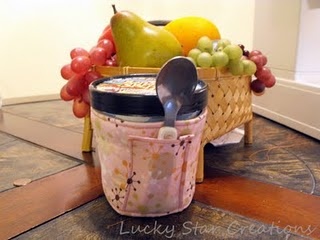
(175, 84)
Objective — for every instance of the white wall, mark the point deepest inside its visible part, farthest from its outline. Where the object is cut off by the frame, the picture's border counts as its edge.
(276, 30)
(308, 52)
(36, 36)
(288, 32)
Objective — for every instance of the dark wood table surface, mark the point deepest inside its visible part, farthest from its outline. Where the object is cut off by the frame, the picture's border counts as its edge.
(267, 190)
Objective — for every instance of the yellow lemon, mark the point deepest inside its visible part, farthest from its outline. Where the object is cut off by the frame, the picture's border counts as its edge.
(189, 29)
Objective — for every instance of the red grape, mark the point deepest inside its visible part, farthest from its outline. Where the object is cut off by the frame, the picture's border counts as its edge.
(260, 93)
(75, 85)
(86, 96)
(257, 86)
(106, 34)
(98, 56)
(64, 95)
(257, 59)
(254, 53)
(80, 108)
(264, 60)
(107, 45)
(78, 52)
(270, 82)
(263, 74)
(81, 64)
(89, 77)
(66, 72)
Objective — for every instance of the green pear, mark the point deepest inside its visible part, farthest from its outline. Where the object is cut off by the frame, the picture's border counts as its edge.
(141, 44)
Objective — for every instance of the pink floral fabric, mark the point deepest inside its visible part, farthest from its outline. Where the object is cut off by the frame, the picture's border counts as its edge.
(141, 174)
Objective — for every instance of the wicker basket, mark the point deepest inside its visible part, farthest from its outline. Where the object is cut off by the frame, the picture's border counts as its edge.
(229, 103)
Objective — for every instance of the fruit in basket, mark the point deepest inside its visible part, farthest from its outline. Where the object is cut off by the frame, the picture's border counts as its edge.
(222, 43)
(130, 41)
(80, 64)
(108, 46)
(66, 72)
(204, 44)
(235, 59)
(106, 34)
(233, 51)
(219, 59)
(270, 82)
(194, 53)
(189, 29)
(257, 87)
(141, 44)
(78, 52)
(249, 67)
(80, 108)
(235, 67)
(98, 56)
(263, 73)
(204, 59)
(64, 95)
(79, 73)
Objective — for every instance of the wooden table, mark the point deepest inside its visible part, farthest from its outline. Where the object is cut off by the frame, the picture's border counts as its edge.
(233, 202)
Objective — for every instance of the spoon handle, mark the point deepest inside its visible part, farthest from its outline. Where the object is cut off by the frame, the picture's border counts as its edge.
(167, 133)
(171, 108)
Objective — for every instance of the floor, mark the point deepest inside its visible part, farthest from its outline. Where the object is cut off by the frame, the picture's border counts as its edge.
(268, 190)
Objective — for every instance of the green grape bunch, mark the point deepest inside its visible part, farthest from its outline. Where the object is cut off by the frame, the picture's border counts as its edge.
(223, 54)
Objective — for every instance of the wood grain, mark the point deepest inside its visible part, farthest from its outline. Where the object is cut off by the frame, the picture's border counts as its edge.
(22, 159)
(42, 200)
(268, 203)
(49, 136)
(279, 156)
(26, 207)
(97, 220)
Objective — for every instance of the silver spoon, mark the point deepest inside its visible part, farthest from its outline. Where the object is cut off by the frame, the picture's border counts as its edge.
(175, 83)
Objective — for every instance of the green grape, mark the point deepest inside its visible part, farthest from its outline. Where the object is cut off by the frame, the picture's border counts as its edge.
(222, 43)
(194, 53)
(249, 67)
(233, 51)
(235, 67)
(204, 60)
(205, 44)
(219, 59)
(192, 60)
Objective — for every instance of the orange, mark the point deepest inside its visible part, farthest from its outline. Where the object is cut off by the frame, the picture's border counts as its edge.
(189, 29)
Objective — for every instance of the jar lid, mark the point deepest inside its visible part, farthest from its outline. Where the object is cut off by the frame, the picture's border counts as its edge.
(135, 94)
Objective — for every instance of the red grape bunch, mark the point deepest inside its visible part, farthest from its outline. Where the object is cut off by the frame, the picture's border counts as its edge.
(264, 77)
(80, 72)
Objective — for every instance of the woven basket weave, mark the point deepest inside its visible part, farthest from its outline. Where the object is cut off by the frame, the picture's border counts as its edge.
(229, 102)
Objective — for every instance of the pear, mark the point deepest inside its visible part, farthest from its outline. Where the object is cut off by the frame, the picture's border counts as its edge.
(141, 44)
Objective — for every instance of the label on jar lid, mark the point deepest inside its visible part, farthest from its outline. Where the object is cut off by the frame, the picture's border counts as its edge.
(133, 85)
